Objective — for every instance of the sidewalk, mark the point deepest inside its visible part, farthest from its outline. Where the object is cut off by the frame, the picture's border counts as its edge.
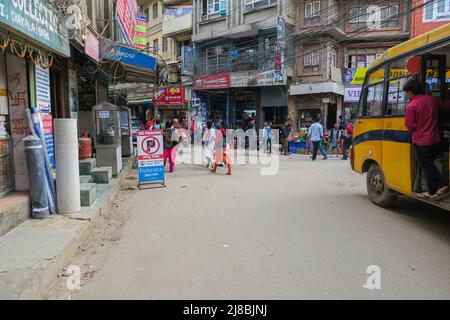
(32, 254)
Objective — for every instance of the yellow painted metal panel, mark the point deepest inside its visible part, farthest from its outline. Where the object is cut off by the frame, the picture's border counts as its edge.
(370, 149)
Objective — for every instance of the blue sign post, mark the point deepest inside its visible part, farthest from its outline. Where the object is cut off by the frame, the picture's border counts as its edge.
(131, 56)
(150, 154)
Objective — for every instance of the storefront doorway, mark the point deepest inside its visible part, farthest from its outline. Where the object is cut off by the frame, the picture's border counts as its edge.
(245, 108)
(278, 115)
(331, 116)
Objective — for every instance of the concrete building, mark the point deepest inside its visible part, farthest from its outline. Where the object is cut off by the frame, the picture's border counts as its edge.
(241, 67)
(335, 45)
(169, 30)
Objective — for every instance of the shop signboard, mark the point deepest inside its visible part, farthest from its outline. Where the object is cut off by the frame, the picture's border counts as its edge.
(251, 78)
(37, 21)
(47, 122)
(131, 56)
(126, 18)
(150, 155)
(168, 96)
(214, 81)
(352, 93)
(42, 89)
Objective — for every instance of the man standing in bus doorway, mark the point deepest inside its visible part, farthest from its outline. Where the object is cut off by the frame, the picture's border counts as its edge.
(347, 135)
(315, 133)
(421, 118)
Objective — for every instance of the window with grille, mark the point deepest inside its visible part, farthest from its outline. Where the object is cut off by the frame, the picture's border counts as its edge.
(256, 4)
(155, 10)
(155, 46)
(436, 10)
(389, 15)
(312, 12)
(164, 44)
(311, 60)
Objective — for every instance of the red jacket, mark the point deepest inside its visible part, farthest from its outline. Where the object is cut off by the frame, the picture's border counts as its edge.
(349, 130)
(421, 118)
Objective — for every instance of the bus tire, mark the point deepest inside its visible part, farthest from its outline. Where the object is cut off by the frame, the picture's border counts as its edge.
(377, 188)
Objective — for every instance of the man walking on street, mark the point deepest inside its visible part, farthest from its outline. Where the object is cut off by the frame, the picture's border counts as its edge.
(335, 140)
(284, 134)
(315, 132)
(421, 118)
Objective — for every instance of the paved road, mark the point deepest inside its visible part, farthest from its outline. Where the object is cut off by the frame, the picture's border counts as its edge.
(308, 232)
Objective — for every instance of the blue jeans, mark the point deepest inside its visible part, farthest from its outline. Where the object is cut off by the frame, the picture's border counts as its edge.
(322, 150)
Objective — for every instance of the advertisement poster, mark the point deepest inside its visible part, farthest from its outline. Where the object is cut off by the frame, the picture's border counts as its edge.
(140, 31)
(47, 122)
(126, 18)
(187, 60)
(73, 94)
(150, 156)
(281, 47)
(174, 12)
(169, 96)
(42, 89)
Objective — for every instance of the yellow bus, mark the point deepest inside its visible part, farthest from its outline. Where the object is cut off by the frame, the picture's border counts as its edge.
(381, 142)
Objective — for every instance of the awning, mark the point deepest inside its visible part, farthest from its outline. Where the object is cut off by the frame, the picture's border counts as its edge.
(313, 88)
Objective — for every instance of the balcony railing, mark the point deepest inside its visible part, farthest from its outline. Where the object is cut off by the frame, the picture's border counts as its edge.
(249, 60)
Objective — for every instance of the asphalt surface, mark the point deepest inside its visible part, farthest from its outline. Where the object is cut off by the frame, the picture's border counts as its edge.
(308, 232)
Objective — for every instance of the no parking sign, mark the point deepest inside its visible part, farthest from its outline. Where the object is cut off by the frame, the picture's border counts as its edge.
(150, 156)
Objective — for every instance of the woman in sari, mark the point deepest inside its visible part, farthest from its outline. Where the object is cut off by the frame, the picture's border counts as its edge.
(209, 138)
(223, 149)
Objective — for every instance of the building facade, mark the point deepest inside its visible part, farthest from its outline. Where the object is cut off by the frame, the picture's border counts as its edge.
(169, 30)
(335, 44)
(428, 15)
(241, 66)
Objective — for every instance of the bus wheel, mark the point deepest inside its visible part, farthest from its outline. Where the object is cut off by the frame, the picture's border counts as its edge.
(378, 189)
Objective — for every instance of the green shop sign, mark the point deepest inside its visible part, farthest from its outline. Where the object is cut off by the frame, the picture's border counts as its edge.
(35, 20)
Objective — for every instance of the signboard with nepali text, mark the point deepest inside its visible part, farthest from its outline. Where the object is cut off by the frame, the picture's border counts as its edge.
(169, 96)
(150, 156)
(37, 21)
(214, 81)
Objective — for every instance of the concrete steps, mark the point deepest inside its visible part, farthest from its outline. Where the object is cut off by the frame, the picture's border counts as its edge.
(86, 166)
(102, 174)
(14, 210)
(86, 179)
(88, 194)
